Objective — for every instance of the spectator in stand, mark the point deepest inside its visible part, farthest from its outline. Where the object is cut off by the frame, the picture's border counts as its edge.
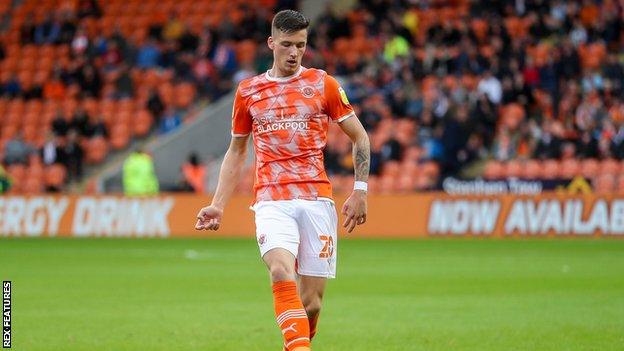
(98, 129)
(12, 88)
(111, 54)
(80, 122)
(49, 31)
(170, 121)
(148, 55)
(80, 42)
(124, 85)
(139, 177)
(375, 156)
(17, 151)
(27, 30)
(60, 126)
(73, 154)
(549, 143)
(68, 28)
(246, 71)
(5, 181)
(225, 58)
(51, 152)
(188, 41)
(174, 29)
(587, 145)
(391, 150)
(332, 164)
(194, 174)
(155, 105)
(504, 148)
(89, 8)
(491, 87)
(54, 89)
(454, 138)
(90, 81)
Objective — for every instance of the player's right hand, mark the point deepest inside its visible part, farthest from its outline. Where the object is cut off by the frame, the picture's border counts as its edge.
(209, 218)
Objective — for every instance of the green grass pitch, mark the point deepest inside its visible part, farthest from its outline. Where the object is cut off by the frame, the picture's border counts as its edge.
(213, 294)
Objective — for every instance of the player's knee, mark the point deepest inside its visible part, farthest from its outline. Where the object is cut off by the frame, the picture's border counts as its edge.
(281, 272)
(312, 304)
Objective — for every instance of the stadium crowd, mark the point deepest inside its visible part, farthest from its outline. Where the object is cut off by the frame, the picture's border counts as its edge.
(81, 77)
(441, 86)
(458, 84)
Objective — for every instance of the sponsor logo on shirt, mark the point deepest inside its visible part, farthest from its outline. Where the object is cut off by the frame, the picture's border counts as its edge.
(343, 96)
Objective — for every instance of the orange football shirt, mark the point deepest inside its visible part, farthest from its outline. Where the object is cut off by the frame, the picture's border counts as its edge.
(288, 119)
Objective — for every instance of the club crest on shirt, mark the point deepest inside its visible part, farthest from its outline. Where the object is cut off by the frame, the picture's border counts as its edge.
(307, 91)
(261, 239)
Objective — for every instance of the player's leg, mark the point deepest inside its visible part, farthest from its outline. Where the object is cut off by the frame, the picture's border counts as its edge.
(317, 255)
(278, 239)
(311, 290)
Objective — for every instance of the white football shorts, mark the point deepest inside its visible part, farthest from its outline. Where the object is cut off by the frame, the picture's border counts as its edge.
(308, 229)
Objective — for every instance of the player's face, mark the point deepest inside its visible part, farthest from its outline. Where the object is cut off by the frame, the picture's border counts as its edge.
(288, 49)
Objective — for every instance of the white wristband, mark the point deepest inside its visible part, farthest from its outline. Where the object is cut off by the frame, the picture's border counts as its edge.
(360, 186)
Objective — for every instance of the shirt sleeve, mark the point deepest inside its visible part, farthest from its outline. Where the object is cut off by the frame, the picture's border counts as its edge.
(337, 104)
(241, 119)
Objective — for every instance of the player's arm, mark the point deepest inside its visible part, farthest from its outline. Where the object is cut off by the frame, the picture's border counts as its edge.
(210, 217)
(355, 208)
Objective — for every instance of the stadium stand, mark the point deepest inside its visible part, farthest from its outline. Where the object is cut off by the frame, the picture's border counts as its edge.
(527, 89)
(110, 70)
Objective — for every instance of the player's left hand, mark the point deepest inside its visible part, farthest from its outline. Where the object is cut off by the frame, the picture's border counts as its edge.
(355, 209)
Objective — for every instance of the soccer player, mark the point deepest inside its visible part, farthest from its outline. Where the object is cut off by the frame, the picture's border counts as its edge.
(288, 110)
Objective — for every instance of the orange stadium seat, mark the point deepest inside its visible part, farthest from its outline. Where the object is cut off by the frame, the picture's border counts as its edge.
(387, 184)
(413, 154)
(610, 166)
(604, 184)
(391, 169)
(620, 185)
(590, 168)
(142, 123)
(531, 169)
(246, 51)
(431, 169)
(373, 184)
(493, 170)
(512, 169)
(409, 168)
(32, 185)
(184, 94)
(120, 136)
(423, 182)
(8, 130)
(405, 183)
(96, 150)
(570, 168)
(55, 176)
(550, 169)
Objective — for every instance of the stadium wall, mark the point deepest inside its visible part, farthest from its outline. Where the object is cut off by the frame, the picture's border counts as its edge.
(400, 216)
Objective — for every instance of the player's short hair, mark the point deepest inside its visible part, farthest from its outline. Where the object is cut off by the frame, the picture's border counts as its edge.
(289, 21)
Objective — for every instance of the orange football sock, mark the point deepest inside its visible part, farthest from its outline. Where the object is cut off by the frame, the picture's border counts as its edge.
(290, 315)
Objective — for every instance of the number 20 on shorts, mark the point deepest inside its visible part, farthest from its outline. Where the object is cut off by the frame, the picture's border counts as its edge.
(328, 246)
